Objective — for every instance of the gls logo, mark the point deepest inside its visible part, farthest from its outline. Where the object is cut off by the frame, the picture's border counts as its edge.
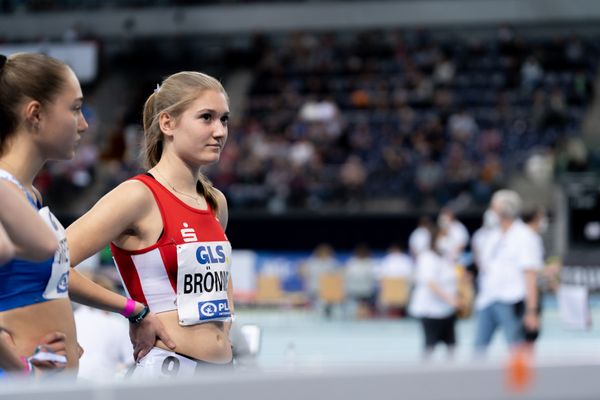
(210, 254)
(188, 234)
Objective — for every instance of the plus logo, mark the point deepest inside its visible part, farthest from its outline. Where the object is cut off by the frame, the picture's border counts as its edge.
(188, 234)
(63, 283)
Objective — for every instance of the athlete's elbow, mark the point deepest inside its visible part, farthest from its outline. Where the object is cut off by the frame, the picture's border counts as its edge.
(50, 247)
(7, 251)
(45, 249)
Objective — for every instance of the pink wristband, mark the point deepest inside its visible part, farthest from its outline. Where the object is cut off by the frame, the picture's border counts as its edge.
(129, 308)
(27, 367)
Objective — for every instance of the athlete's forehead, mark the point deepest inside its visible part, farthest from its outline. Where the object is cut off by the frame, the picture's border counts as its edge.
(210, 100)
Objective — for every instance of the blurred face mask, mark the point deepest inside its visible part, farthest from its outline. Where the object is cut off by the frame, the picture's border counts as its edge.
(490, 219)
(444, 222)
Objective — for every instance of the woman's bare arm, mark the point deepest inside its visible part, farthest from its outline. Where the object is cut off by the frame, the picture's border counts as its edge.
(31, 236)
(223, 216)
(114, 214)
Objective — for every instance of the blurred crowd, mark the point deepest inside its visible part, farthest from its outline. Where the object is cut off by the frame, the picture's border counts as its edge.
(356, 120)
(342, 119)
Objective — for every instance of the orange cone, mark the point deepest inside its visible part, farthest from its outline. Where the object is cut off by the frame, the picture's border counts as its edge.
(519, 372)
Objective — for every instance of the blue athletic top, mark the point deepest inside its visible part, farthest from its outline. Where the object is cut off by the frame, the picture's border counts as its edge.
(23, 282)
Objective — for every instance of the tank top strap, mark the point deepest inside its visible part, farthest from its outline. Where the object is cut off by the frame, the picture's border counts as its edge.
(7, 176)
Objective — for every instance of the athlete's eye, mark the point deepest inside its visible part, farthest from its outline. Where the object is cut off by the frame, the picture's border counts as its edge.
(206, 117)
(225, 119)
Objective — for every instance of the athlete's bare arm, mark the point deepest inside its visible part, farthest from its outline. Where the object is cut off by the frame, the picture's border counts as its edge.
(114, 215)
(117, 214)
(223, 216)
(32, 238)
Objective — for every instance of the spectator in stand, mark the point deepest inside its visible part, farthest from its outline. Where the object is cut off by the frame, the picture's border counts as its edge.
(532, 73)
(360, 282)
(322, 261)
(395, 264)
(353, 176)
(444, 71)
(462, 126)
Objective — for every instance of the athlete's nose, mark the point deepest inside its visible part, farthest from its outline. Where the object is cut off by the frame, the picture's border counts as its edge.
(82, 124)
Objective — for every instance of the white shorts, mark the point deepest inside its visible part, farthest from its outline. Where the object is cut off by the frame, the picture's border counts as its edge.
(163, 363)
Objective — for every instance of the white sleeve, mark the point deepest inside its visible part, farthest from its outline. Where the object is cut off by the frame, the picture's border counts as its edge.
(532, 253)
(382, 267)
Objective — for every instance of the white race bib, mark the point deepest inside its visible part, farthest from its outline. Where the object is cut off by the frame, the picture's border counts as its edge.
(58, 284)
(202, 276)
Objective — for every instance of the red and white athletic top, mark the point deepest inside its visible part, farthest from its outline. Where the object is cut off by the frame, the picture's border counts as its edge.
(150, 274)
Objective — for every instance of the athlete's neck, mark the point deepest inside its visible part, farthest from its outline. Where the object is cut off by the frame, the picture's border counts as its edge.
(505, 224)
(178, 173)
(23, 160)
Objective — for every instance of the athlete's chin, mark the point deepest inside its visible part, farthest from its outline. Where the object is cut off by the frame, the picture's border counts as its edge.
(65, 155)
(212, 159)
(69, 154)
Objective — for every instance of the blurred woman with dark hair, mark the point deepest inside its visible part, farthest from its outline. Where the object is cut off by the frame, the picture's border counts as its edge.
(435, 299)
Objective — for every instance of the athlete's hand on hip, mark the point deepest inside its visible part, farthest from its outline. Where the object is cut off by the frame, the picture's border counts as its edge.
(51, 353)
(144, 334)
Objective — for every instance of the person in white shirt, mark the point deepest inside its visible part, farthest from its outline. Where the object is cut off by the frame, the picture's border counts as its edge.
(395, 264)
(490, 221)
(435, 297)
(507, 296)
(360, 284)
(455, 236)
(322, 261)
(420, 239)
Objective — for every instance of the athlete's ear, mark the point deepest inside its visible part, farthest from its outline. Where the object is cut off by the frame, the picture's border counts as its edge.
(166, 123)
(32, 114)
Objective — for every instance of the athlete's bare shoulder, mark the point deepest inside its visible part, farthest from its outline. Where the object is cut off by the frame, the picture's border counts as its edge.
(118, 211)
(135, 190)
(127, 202)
